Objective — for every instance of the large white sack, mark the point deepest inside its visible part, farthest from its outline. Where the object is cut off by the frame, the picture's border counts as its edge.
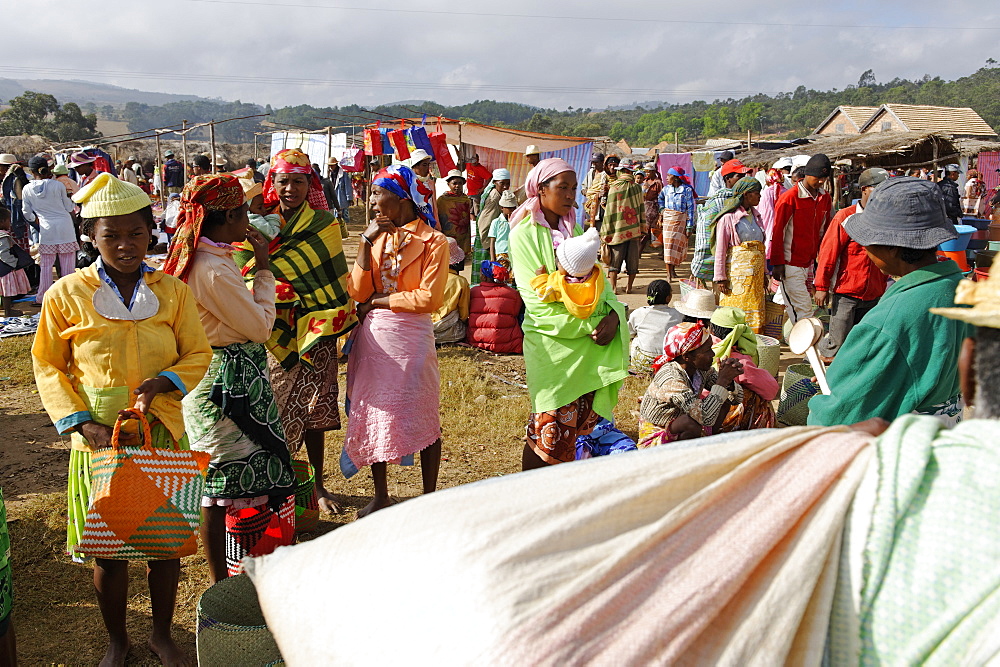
(721, 553)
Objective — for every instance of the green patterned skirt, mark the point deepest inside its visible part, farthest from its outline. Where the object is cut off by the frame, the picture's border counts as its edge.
(233, 416)
(6, 582)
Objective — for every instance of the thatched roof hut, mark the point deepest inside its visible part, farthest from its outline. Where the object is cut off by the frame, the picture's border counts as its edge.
(890, 149)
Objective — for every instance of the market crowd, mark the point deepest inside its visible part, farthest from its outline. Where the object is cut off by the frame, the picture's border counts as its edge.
(232, 351)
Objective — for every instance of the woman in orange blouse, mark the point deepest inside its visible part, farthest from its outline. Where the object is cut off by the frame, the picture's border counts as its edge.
(393, 385)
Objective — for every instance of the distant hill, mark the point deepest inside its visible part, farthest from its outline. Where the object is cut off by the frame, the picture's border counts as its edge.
(82, 92)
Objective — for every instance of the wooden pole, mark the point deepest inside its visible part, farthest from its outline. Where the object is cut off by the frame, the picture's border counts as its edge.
(254, 145)
(749, 138)
(329, 146)
(184, 147)
(211, 136)
(677, 143)
(365, 190)
(159, 168)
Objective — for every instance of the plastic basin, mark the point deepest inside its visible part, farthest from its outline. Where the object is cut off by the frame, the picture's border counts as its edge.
(978, 223)
(965, 233)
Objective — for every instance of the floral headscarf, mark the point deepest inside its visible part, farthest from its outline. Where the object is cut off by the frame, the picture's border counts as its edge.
(207, 192)
(680, 339)
(775, 176)
(294, 161)
(402, 182)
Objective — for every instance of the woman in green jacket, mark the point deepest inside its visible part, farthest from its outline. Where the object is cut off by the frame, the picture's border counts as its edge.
(900, 358)
(574, 366)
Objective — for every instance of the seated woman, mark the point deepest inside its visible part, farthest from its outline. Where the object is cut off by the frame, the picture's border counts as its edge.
(673, 407)
(733, 339)
(740, 266)
(648, 326)
(451, 318)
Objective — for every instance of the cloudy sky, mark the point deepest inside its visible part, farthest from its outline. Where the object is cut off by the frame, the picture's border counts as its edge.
(553, 54)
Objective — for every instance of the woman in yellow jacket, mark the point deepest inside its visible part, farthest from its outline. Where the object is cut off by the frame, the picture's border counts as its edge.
(398, 280)
(119, 335)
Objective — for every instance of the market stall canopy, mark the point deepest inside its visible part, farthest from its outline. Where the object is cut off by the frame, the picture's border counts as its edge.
(499, 138)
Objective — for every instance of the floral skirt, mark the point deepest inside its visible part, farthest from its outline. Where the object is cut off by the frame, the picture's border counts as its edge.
(552, 434)
(746, 268)
(651, 435)
(753, 413)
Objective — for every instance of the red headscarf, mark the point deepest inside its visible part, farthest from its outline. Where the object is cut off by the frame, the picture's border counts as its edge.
(681, 338)
(294, 161)
(207, 192)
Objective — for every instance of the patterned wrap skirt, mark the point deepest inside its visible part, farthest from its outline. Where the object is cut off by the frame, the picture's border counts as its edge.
(307, 396)
(6, 581)
(552, 434)
(746, 268)
(232, 415)
(675, 238)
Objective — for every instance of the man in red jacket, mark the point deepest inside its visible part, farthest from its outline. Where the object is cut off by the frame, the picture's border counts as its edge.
(845, 269)
(476, 178)
(800, 217)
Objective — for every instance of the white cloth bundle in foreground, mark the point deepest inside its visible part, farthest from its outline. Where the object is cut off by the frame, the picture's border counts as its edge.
(722, 553)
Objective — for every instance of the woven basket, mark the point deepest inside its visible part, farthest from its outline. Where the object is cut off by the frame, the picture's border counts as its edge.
(769, 354)
(231, 628)
(306, 502)
(797, 388)
(687, 284)
(774, 318)
(257, 531)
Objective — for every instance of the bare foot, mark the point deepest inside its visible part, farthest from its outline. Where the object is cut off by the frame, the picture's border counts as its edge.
(375, 505)
(117, 651)
(326, 501)
(169, 653)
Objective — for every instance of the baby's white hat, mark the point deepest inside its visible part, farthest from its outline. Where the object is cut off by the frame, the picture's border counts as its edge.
(578, 255)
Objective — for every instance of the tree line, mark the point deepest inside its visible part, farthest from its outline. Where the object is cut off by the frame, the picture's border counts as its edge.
(788, 114)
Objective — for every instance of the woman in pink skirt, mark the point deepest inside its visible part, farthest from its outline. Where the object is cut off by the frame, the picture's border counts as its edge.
(13, 282)
(393, 385)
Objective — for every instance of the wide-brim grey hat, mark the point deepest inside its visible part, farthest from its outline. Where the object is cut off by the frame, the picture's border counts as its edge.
(906, 212)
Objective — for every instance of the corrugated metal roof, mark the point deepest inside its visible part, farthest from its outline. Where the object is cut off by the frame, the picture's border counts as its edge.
(948, 120)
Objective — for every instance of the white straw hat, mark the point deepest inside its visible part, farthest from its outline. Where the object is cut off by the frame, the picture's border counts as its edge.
(698, 303)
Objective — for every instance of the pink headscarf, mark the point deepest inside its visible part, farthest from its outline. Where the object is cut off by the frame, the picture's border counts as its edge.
(532, 207)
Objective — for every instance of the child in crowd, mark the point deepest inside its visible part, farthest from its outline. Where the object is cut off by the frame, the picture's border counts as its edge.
(455, 209)
(450, 319)
(579, 282)
(268, 224)
(15, 282)
(115, 337)
(648, 326)
(500, 230)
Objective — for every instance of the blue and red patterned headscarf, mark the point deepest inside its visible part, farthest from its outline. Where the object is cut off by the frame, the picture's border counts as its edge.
(402, 182)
